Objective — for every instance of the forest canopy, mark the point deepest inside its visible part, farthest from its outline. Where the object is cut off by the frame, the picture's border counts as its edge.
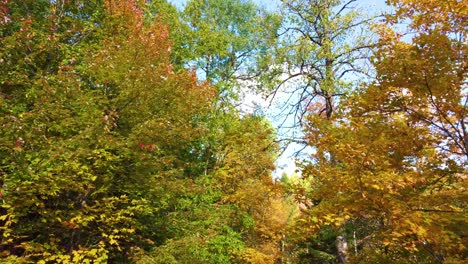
(122, 139)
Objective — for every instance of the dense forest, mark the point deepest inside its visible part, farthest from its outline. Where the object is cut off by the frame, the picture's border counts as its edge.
(122, 139)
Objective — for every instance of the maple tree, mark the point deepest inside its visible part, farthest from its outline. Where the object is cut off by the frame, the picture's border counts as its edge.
(87, 123)
(389, 168)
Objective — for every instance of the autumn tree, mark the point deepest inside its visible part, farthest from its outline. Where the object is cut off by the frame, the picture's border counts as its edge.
(112, 152)
(323, 47)
(390, 168)
(234, 212)
(93, 117)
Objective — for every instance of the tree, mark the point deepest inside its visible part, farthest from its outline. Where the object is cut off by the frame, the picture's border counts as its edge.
(94, 121)
(225, 215)
(323, 48)
(225, 40)
(322, 43)
(390, 167)
(110, 151)
(429, 75)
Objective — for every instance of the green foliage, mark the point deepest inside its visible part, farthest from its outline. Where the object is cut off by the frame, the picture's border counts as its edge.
(321, 50)
(91, 133)
(220, 216)
(109, 152)
(225, 40)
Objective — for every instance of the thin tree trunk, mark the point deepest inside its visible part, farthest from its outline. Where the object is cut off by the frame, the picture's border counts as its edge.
(342, 248)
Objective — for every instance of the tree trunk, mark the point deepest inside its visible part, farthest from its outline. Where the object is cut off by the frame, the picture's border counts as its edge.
(342, 248)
